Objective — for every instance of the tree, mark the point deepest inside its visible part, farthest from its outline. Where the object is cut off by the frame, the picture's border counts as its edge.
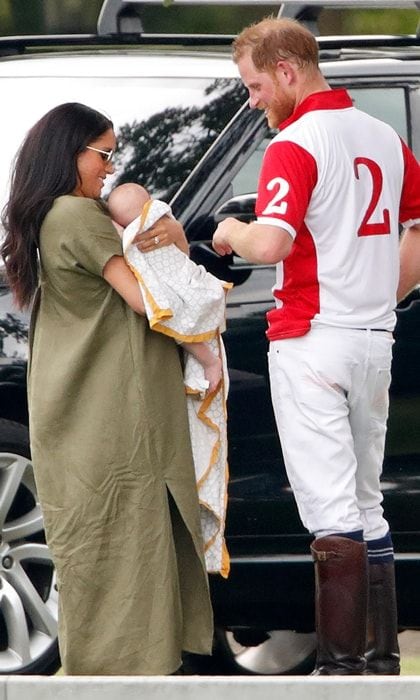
(62, 16)
(160, 152)
(12, 326)
(48, 16)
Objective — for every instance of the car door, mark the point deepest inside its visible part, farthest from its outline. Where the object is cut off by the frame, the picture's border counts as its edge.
(262, 517)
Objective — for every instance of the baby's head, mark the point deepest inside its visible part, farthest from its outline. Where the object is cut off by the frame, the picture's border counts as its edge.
(126, 202)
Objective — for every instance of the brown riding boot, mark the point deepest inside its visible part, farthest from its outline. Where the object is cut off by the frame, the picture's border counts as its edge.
(341, 597)
(383, 653)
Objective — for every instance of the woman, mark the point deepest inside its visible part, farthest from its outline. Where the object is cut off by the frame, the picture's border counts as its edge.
(108, 423)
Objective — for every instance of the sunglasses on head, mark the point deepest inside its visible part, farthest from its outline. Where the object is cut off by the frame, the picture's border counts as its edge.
(105, 155)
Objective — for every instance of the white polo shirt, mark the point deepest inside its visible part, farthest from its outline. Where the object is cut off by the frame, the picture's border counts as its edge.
(340, 182)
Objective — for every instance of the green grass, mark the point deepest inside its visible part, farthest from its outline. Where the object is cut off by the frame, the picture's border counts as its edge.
(410, 666)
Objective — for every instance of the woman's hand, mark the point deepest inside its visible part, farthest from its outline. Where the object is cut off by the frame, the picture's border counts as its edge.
(164, 232)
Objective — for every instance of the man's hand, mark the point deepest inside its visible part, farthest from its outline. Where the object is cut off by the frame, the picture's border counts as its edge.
(263, 244)
(221, 235)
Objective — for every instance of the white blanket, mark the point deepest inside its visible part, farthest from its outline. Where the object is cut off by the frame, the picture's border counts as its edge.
(186, 302)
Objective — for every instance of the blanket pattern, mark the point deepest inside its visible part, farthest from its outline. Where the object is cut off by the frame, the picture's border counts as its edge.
(185, 302)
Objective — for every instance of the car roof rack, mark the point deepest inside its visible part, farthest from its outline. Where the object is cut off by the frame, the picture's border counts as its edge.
(119, 17)
(329, 46)
(19, 45)
(115, 29)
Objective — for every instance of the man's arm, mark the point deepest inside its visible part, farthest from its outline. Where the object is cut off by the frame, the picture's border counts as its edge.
(258, 243)
(409, 261)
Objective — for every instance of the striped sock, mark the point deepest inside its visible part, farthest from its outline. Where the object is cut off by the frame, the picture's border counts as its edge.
(356, 535)
(381, 551)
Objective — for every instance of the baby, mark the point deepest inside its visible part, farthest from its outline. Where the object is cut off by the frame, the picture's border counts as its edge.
(128, 206)
(187, 303)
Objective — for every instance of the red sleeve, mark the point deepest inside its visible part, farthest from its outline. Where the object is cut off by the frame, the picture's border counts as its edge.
(410, 195)
(287, 179)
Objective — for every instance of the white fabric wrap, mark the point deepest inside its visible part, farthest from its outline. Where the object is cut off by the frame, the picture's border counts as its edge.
(186, 302)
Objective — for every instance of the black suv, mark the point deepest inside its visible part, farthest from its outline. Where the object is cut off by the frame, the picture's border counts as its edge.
(181, 114)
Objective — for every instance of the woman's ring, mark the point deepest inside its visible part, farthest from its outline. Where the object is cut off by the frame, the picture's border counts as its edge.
(156, 240)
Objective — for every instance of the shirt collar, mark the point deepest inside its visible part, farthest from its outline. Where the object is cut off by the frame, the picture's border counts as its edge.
(327, 99)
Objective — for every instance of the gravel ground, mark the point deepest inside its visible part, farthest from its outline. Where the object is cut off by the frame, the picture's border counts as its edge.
(409, 643)
(410, 653)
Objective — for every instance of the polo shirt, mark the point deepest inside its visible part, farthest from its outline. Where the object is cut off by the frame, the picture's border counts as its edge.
(340, 182)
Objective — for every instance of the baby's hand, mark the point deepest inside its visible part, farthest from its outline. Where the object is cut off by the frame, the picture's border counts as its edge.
(213, 374)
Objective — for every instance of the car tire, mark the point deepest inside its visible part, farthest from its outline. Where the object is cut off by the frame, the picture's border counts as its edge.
(280, 652)
(28, 590)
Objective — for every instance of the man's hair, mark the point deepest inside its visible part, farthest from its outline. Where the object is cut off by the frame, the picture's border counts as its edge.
(273, 40)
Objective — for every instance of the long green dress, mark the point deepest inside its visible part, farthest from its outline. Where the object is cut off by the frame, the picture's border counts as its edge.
(113, 462)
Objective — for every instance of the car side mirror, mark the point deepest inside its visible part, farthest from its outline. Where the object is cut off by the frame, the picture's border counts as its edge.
(241, 207)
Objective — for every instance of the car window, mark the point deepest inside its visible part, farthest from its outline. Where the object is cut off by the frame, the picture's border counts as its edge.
(246, 180)
(387, 104)
(161, 148)
(163, 124)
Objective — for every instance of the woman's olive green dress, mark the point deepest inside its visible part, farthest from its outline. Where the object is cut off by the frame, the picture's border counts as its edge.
(113, 463)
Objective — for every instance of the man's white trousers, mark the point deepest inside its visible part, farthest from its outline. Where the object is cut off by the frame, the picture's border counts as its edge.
(330, 397)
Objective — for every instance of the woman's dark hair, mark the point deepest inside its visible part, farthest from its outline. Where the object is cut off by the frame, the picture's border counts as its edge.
(45, 167)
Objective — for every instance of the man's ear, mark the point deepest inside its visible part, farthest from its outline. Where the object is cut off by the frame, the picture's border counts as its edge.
(285, 72)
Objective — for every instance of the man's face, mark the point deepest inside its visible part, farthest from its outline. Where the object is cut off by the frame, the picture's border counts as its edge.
(267, 92)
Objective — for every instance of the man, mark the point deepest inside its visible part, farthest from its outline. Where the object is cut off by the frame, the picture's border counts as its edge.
(334, 185)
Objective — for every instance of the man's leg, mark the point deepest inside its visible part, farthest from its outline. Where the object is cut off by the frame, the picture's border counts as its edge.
(310, 381)
(383, 653)
(368, 416)
(340, 605)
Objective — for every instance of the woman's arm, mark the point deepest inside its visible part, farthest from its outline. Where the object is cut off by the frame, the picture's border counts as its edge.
(117, 273)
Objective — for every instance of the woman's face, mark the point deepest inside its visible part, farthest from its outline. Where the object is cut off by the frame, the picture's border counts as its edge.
(93, 166)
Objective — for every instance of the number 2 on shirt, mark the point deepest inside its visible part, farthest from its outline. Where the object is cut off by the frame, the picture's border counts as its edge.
(367, 227)
(282, 186)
